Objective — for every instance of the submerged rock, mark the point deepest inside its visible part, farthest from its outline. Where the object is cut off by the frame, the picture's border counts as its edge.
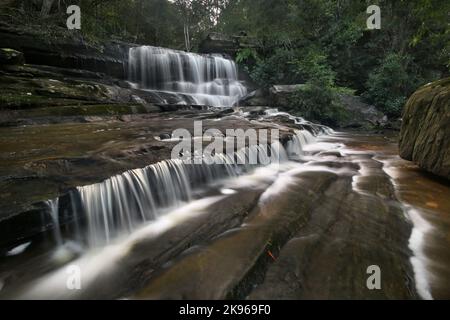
(425, 134)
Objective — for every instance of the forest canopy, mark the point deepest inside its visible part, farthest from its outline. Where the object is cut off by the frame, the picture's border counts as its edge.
(324, 44)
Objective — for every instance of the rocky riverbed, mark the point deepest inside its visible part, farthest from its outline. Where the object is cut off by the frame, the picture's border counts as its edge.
(306, 230)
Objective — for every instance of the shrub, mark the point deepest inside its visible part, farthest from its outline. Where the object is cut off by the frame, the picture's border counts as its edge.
(391, 83)
(275, 69)
(318, 99)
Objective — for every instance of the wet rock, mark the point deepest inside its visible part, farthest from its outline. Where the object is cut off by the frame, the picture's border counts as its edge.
(278, 96)
(315, 241)
(218, 268)
(425, 134)
(281, 95)
(165, 136)
(363, 115)
(10, 57)
(255, 98)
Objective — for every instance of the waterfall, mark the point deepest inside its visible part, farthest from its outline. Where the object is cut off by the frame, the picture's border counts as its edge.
(122, 203)
(119, 205)
(197, 79)
(94, 215)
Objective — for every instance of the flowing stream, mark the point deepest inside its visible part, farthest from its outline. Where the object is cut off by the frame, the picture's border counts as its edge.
(125, 220)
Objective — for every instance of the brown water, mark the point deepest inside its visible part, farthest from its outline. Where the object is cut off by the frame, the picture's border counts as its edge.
(427, 198)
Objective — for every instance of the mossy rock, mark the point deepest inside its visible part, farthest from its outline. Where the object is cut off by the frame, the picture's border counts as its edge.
(88, 110)
(425, 134)
(11, 57)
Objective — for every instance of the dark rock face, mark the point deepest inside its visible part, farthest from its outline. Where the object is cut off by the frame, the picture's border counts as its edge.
(10, 57)
(225, 44)
(425, 134)
(281, 95)
(278, 96)
(363, 114)
(67, 52)
(255, 99)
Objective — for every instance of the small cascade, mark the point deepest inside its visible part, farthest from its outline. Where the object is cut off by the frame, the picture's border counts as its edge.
(295, 146)
(53, 208)
(122, 203)
(119, 205)
(197, 79)
(312, 128)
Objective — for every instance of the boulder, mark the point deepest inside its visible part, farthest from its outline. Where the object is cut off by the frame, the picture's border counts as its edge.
(255, 98)
(362, 114)
(278, 96)
(425, 133)
(281, 95)
(11, 57)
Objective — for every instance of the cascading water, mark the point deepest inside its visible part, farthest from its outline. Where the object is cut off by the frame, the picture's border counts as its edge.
(314, 128)
(53, 206)
(295, 146)
(120, 204)
(196, 79)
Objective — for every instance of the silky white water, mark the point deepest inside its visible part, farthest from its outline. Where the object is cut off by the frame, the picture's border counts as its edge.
(197, 79)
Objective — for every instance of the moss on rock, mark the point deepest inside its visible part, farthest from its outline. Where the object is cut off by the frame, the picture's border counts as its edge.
(425, 134)
(10, 57)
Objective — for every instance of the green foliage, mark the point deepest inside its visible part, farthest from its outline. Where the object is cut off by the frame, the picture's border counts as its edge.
(275, 69)
(325, 44)
(246, 55)
(318, 99)
(318, 103)
(391, 83)
(313, 67)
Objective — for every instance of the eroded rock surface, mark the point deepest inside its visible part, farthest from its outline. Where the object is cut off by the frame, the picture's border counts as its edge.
(425, 134)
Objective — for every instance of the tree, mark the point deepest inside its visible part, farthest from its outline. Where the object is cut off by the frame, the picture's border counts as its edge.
(46, 7)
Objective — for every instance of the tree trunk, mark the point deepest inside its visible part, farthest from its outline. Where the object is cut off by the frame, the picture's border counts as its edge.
(46, 7)
(187, 40)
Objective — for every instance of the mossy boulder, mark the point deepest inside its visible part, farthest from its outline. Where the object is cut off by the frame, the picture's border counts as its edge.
(425, 134)
(11, 57)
